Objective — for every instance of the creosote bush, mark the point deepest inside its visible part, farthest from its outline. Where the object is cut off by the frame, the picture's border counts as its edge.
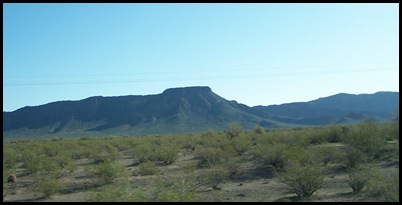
(108, 172)
(352, 157)
(385, 185)
(147, 168)
(367, 138)
(270, 155)
(358, 178)
(122, 193)
(213, 177)
(233, 130)
(303, 180)
(48, 186)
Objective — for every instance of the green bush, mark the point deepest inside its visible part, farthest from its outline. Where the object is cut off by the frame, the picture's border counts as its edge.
(122, 193)
(303, 180)
(259, 130)
(325, 154)
(232, 167)
(335, 133)
(10, 156)
(145, 152)
(297, 155)
(352, 157)
(385, 185)
(48, 186)
(108, 172)
(270, 155)
(147, 168)
(37, 163)
(358, 178)
(233, 129)
(104, 153)
(367, 138)
(65, 161)
(241, 144)
(175, 189)
(208, 156)
(213, 177)
(166, 153)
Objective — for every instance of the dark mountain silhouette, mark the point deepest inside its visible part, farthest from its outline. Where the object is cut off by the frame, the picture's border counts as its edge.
(380, 105)
(184, 110)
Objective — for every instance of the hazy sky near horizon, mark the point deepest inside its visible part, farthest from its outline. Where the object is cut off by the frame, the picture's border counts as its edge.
(256, 54)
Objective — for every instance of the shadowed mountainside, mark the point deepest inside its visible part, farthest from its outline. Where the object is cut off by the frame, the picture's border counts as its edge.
(184, 110)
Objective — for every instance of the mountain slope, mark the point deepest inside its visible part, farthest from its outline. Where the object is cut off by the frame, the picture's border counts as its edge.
(380, 105)
(175, 110)
(189, 109)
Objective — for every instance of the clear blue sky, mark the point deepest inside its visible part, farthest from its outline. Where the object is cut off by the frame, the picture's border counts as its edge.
(256, 54)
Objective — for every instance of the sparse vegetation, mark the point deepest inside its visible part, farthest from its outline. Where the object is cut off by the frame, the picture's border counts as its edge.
(212, 166)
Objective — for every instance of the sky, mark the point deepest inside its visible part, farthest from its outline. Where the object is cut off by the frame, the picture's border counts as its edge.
(256, 54)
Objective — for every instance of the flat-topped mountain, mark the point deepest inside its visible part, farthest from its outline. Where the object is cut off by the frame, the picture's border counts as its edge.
(184, 110)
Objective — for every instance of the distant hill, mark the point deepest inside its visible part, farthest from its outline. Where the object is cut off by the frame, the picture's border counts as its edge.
(185, 110)
(380, 105)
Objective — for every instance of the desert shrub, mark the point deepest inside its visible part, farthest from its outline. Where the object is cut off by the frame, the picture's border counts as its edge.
(145, 152)
(240, 144)
(213, 177)
(335, 134)
(157, 151)
(147, 168)
(65, 161)
(40, 161)
(270, 155)
(385, 185)
(208, 156)
(233, 129)
(121, 144)
(35, 163)
(297, 155)
(325, 154)
(124, 193)
(367, 138)
(81, 152)
(166, 153)
(300, 137)
(303, 180)
(174, 189)
(317, 138)
(49, 149)
(231, 167)
(48, 186)
(259, 130)
(10, 156)
(104, 153)
(188, 143)
(209, 133)
(108, 172)
(352, 157)
(358, 178)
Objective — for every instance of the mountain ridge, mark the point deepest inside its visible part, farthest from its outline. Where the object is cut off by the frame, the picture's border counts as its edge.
(186, 109)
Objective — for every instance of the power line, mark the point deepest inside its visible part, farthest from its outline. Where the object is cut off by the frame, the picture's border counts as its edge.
(198, 71)
(199, 78)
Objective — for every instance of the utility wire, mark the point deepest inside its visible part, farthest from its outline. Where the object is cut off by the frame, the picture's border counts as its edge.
(193, 78)
(197, 71)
